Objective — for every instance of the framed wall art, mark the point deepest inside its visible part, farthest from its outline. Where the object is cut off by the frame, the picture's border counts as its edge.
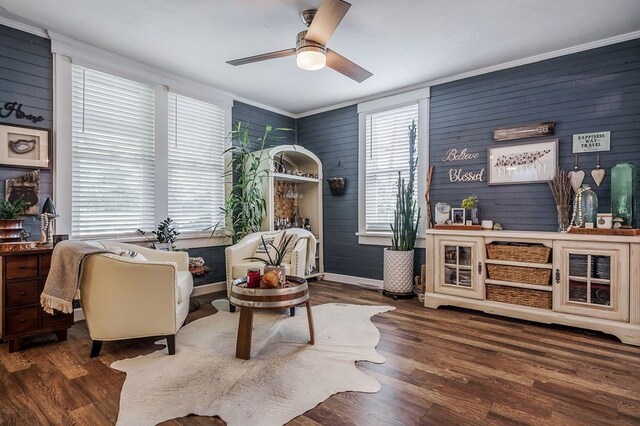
(25, 188)
(26, 147)
(523, 163)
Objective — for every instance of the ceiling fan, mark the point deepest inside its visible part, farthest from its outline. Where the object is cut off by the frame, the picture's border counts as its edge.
(311, 45)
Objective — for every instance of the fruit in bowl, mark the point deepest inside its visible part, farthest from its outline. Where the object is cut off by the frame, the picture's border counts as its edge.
(270, 279)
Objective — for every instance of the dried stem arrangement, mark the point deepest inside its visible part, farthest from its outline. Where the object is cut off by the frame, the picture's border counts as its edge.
(560, 186)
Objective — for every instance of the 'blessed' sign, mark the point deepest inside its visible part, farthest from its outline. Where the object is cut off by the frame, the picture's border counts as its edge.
(458, 174)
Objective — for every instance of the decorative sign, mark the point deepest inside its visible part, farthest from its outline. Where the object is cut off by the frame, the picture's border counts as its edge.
(525, 131)
(16, 109)
(591, 142)
(458, 174)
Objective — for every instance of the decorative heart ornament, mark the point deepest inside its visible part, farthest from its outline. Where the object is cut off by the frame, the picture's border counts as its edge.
(597, 175)
(576, 177)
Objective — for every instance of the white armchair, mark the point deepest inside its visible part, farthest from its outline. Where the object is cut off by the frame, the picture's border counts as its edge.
(237, 265)
(123, 298)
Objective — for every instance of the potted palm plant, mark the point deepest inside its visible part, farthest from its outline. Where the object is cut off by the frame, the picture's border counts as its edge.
(273, 262)
(10, 224)
(245, 206)
(398, 259)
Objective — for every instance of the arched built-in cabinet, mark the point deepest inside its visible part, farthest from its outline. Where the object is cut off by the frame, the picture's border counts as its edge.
(294, 180)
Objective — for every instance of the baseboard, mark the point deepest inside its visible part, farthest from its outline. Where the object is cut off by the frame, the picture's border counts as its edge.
(78, 313)
(209, 288)
(351, 280)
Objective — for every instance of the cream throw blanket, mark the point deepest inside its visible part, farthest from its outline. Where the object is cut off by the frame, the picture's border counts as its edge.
(63, 280)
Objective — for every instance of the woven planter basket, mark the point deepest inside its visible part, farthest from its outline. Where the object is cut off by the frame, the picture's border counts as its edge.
(398, 271)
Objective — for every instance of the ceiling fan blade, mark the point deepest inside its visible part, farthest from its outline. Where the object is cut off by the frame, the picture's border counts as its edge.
(263, 57)
(327, 18)
(346, 67)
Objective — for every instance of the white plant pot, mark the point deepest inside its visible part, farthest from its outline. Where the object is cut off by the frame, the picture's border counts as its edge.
(398, 271)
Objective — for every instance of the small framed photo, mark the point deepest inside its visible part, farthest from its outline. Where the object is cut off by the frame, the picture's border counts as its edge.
(25, 147)
(457, 216)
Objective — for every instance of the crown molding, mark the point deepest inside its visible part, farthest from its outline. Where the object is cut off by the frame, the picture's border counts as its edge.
(486, 70)
(88, 55)
(265, 107)
(27, 28)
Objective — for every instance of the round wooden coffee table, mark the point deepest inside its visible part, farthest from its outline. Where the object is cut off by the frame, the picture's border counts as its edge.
(296, 292)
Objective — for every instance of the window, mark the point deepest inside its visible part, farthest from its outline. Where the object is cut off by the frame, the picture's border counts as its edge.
(196, 163)
(383, 139)
(113, 150)
(387, 153)
(138, 154)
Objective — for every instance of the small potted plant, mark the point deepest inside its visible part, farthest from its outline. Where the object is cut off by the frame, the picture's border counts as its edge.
(10, 224)
(273, 263)
(472, 205)
(166, 235)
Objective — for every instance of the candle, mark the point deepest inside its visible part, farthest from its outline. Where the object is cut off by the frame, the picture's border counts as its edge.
(253, 278)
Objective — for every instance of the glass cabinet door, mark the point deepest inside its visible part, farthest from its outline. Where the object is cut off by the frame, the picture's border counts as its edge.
(459, 268)
(591, 281)
(457, 265)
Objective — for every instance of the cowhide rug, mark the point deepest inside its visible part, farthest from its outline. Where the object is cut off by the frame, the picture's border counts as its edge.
(284, 378)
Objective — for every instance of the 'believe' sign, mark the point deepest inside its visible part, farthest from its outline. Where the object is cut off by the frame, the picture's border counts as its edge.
(591, 142)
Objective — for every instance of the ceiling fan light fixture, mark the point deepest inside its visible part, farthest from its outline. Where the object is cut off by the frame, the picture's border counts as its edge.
(311, 58)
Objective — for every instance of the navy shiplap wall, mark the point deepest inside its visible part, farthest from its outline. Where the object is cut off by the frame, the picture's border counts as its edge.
(26, 77)
(595, 90)
(258, 118)
(333, 137)
(585, 92)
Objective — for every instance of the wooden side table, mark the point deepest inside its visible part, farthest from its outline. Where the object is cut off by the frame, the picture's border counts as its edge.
(24, 273)
(248, 299)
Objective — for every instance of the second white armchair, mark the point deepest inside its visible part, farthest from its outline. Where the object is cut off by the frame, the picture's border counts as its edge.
(302, 256)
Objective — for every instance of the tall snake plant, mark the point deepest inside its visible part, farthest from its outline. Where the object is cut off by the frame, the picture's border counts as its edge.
(405, 223)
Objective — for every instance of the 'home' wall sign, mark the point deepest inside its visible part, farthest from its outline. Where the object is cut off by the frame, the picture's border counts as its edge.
(16, 109)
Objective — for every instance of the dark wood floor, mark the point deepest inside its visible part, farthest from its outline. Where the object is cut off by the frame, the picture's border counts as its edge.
(445, 366)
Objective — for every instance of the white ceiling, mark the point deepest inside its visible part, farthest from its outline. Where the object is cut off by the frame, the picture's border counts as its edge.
(402, 42)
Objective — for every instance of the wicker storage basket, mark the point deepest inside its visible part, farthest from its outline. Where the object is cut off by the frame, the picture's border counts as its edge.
(519, 274)
(519, 296)
(519, 253)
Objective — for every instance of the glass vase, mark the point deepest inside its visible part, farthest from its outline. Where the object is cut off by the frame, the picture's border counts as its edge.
(473, 215)
(589, 207)
(563, 218)
(623, 190)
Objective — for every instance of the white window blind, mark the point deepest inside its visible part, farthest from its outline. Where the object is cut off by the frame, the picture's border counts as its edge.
(387, 152)
(113, 172)
(196, 163)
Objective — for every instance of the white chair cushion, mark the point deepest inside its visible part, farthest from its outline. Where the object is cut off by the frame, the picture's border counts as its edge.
(240, 269)
(184, 281)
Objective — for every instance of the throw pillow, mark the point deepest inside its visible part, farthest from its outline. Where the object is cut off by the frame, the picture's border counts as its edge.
(134, 255)
(292, 244)
(274, 238)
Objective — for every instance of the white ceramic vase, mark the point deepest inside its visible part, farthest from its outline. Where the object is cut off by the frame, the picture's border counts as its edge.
(398, 271)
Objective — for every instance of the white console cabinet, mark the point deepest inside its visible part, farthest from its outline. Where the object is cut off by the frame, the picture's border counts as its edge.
(587, 281)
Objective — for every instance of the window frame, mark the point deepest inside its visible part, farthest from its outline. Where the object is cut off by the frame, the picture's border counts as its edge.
(421, 97)
(67, 52)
